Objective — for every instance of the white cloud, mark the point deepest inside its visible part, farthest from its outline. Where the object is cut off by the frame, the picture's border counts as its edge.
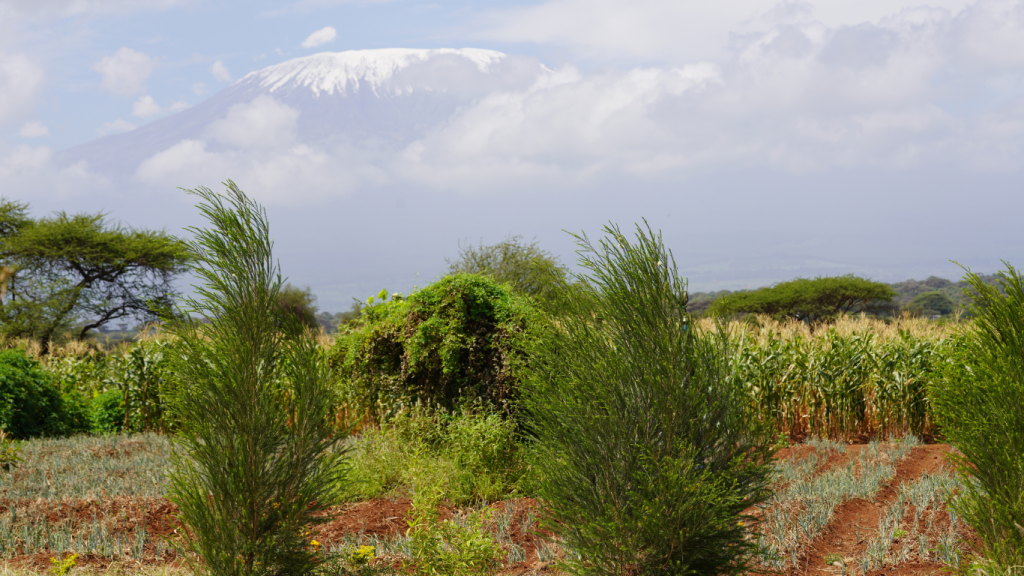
(115, 127)
(125, 72)
(199, 89)
(32, 169)
(34, 129)
(322, 36)
(669, 30)
(915, 90)
(299, 173)
(20, 83)
(145, 107)
(220, 72)
(261, 124)
(178, 106)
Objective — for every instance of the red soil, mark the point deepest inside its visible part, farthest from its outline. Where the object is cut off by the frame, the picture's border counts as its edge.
(855, 521)
(387, 518)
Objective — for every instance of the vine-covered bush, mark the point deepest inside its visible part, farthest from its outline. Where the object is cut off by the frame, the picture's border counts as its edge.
(462, 338)
(31, 405)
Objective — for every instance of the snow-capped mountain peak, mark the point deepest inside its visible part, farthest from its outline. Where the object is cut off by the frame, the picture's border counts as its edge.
(342, 72)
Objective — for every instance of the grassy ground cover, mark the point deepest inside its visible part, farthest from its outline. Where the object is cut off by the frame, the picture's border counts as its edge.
(101, 498)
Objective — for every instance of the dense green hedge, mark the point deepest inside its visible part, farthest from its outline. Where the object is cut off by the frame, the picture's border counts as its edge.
(31, 405)
(462, 338)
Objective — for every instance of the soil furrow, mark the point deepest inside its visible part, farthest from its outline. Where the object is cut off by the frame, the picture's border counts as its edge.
(856, 521)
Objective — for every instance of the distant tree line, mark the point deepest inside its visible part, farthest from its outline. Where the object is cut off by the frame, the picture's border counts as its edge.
(69, 276)
(927, 298)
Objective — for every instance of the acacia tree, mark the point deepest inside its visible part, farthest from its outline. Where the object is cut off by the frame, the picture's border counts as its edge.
(80, 272)
(809, 300)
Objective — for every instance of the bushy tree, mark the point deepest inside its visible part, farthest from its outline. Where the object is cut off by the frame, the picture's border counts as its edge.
(525, 267)
(300, 303)
(980, 406)
(462, 338)
(81, 272)
(646, 447)
(254, 461)
(930, 303)
(810, 300)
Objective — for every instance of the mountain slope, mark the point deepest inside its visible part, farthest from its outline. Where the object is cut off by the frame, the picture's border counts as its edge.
(377, 98)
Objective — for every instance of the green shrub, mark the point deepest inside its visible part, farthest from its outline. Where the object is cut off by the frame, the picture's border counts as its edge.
(107, 415)
(469, 456)
(462, 338)
(30, 402)
(254, 461)
(980, 404)
(76, 414)
(647, 447)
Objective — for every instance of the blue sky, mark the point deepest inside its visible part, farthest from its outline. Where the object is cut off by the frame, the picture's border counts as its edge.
(768, 139)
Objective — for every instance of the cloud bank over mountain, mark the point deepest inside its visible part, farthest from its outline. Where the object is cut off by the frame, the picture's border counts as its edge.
(796, 97)
(801, 147)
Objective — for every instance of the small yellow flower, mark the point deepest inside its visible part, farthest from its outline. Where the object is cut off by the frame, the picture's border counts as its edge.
(362, 555)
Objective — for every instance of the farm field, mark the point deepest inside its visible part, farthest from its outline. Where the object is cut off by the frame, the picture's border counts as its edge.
(874, 508)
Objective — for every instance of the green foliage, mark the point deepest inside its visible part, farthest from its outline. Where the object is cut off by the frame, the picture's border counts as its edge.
(647, 447)
(300, 303)
(461, 339)
(980, 402)
(141, 375)
(810, 300)
(931, 303)
(255, 464)
(841, 386)
(133, 382)
(525, 267)
(449, 547)
(76, 414)
(30, 403)
(331, 323)
(469, 456)
(82, 271)
(107, 415)
(10, 452)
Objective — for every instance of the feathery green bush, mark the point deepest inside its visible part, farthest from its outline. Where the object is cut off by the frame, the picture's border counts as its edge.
(254, 461)
(980, 405)
(645, 445)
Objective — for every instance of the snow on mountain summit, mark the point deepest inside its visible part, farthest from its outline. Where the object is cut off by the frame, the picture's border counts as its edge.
(330, 72)
(386, 98)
